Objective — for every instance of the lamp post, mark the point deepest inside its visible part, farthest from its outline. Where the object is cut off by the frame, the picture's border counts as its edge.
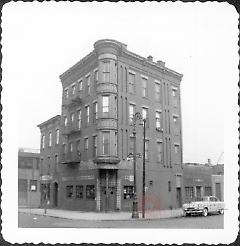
(135, 214)
(143, 177)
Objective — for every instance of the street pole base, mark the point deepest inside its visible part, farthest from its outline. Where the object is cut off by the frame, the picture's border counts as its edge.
(135, 214)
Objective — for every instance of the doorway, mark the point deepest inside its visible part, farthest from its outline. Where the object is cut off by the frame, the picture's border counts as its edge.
(179, 197)
(55, 199)
(108, 198)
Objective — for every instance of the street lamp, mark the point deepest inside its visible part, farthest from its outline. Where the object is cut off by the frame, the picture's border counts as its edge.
(135, 215)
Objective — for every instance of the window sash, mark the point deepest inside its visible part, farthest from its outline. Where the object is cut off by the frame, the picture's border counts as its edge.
(57, 136)
(50, 139)
(105, 104)
(159, 152)
(158, 119)
(106, 143)
(86, 143)
(157, 92)
(79, 119)
(94, 146)
(87, 111)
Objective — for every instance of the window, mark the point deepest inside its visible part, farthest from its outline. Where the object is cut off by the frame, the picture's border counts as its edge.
(189, 192)
(131, 112)
(128, 192)
(79, 149)
(176, 148)
(144, 87)
(64, 148)
(33, 185)
(79, 191)
(106, 143)
(87, 114)
(145, 114)
(169, 186)
(69, 191)
(79, 118)
(116, 143)
(57, 136)
(175, 119)
(56, 159)
(86, 144)
(80, 86)
(131, 78)
(94, 146)
(88, 84)
(43, 141)
(106, 71)
(72, 117)
(66, 93)
(157, 92)
(151, 183)
(208, 191)
(174, 92)
(116, 106)
(96, 76)
(159, 152)
(158, 120)
(50, 140)
(71, 147)
(65, 120)
(95, 112)
(147, 155)
(90, 192)
(105, 104)
(73, 89)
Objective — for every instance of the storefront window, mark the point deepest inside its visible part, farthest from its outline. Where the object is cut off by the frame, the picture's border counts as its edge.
(90, 192)
(128, 192)
(79, 191)
(69, 191)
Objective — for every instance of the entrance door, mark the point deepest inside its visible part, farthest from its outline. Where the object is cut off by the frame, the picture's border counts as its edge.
(55, 194)
(108, 198)
(198, 192)
(179, 197)
(218, 190)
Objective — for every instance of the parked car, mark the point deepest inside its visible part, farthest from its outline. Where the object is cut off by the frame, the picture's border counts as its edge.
(203, 206)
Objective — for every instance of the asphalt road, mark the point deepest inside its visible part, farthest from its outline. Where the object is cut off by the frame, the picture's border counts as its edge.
(196, 222)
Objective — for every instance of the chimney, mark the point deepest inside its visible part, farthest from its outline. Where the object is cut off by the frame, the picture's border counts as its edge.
(209, 162)
(161, 63)
(150, 58)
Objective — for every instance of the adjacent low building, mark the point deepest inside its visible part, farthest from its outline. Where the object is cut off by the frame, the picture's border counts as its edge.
(28, 178)
(202, 180)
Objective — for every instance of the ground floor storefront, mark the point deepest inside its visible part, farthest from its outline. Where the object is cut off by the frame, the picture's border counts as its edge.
(108, 189)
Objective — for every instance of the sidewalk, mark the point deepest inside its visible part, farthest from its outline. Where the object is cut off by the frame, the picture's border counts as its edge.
(80, 215)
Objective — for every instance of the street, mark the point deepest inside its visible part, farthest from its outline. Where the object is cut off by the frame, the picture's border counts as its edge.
(195, 222)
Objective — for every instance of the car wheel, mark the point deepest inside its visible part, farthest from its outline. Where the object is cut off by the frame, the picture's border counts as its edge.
(205, 212)
(221, 211)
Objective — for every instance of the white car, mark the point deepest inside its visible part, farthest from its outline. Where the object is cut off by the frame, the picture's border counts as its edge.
(203, 206)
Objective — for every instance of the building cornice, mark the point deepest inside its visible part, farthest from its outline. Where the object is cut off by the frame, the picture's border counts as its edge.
(75, 67)
(151, 64)
(51, 120)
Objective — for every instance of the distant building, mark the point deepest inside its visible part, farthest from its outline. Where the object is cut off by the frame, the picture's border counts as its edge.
(100, 96)
(202, 180)
(49, 160)
(28, 178)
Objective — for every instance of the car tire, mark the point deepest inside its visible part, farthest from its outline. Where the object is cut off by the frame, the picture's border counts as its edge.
(205, 212)
(221, 211)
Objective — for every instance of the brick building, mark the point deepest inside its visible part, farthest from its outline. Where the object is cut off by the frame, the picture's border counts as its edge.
(100, 95)
(49, 159)
(202, 180)
(28, 178)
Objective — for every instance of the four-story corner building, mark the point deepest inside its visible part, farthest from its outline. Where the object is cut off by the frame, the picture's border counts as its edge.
(100, 96)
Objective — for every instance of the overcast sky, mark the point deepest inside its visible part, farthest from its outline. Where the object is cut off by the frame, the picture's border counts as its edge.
(42, 40)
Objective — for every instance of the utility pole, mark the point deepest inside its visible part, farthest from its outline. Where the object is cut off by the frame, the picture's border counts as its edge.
(135, 214)
(143, 177)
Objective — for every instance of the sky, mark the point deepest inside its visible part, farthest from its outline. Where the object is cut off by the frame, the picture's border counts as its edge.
(42, 40)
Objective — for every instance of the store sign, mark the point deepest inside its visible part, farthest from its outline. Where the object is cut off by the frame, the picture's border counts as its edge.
(129, 178)
(46, 178)
(85, 177)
